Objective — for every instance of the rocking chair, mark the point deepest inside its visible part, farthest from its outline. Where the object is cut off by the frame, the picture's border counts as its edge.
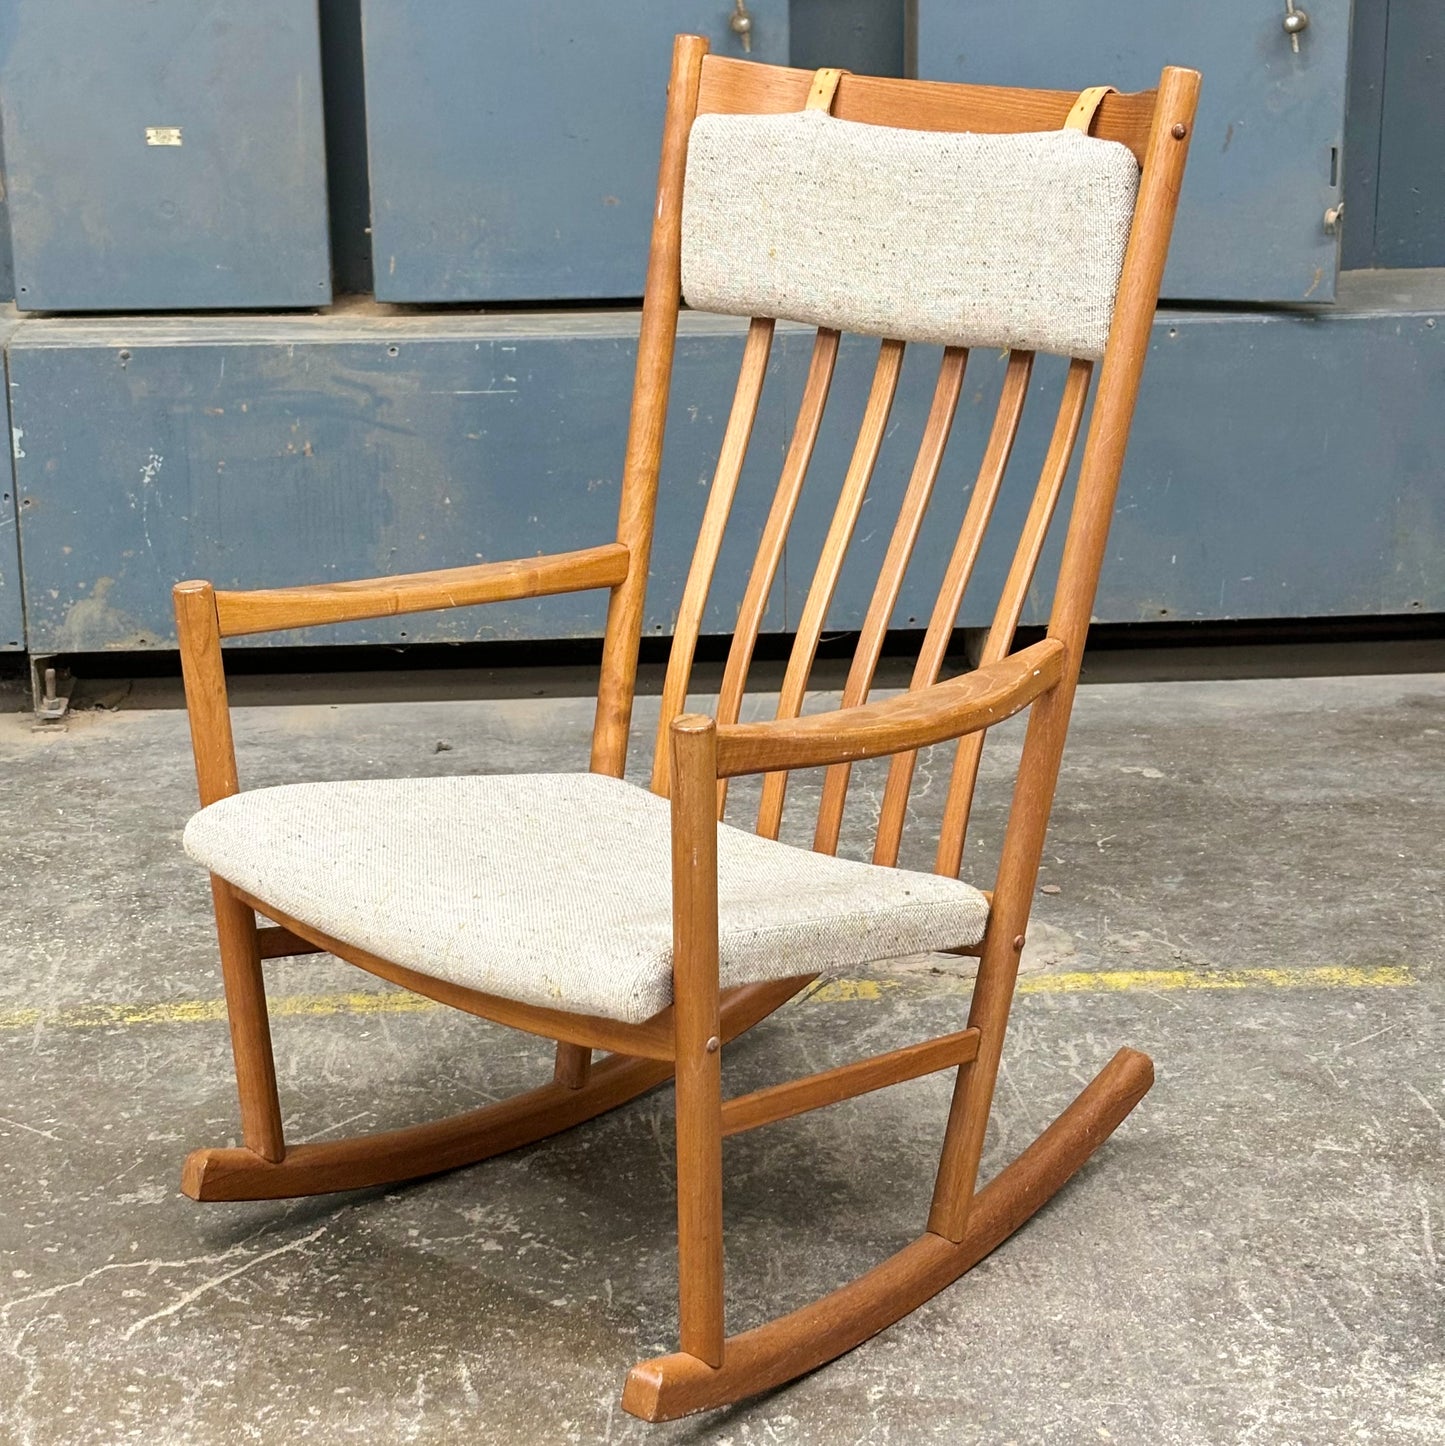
(606, 916)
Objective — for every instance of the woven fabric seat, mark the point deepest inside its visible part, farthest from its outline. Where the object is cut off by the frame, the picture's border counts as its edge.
(556, 889)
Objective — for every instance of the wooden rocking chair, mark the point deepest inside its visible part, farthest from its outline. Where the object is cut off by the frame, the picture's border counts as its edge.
(972, 216)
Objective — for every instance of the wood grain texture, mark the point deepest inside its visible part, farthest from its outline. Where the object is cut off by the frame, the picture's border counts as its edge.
(250, 1027)
(572, 1065)
(655, 346)
(390, 1156)
(907, 720)
(208, 711)
(911, 512)
(731, 456)
(699, 1037)
(273, 609)
(760, 1359)
(738, 87)
(830, 564)
(846, 1082)
(278, 943)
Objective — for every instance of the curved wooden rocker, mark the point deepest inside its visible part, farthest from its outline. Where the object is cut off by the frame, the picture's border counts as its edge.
(696, 755)
(670, 1386)
(391, 1156)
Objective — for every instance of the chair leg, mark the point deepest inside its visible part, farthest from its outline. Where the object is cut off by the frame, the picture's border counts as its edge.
(699, 1189)
(993, 990)
(250, 1028)
(573, 1065)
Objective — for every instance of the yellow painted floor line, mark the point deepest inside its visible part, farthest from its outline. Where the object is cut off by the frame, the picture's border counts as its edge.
(833, 991)
(1109, 981)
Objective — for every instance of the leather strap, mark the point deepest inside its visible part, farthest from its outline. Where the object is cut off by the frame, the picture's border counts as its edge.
(825, 87)
(1081, 117)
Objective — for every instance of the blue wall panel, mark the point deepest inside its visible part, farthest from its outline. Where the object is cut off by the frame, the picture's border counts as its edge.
(1263, 165)
(12, 613)
(1410, 209)
(104, 218)
(513, 148)
(322, 449)
(865, 36)
(258, 457)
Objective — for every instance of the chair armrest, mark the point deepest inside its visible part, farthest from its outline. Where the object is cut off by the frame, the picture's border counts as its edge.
(272, 609)
(900, 724)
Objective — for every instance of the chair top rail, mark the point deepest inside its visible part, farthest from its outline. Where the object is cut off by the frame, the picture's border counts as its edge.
(740, 87)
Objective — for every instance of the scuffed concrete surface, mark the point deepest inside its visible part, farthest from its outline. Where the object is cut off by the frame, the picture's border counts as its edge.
(1256, 1256)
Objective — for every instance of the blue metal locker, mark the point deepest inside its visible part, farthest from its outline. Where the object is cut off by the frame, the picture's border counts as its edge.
(271, 451)
(164, 154)
(12, 612)
(1258, 219)
(513, 148)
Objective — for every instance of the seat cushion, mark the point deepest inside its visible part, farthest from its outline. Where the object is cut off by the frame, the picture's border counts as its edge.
(556, 889)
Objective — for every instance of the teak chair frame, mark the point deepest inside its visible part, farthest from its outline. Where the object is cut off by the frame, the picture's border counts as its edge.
(697, 755)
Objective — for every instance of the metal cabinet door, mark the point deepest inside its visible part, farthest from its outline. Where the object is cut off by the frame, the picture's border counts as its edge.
(513, 147)
(1265, 162)
(164, 154)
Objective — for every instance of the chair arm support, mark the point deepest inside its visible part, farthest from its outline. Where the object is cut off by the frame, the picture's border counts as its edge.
(960, 705)
(273, 609)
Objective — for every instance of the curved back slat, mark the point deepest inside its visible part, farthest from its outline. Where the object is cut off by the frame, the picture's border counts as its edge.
(830, 564)
(733, 454)
(955, 582)
(775, 533)
(1011, 604)
(890, 578)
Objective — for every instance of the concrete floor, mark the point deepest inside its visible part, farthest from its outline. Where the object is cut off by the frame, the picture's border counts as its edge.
(1248, 884)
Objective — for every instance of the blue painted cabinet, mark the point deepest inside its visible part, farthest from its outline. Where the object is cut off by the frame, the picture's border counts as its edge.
(278, 451)
(1410, 204)
(513, 147)
(12, 608)
(164, 154)
(265, 453)
(1265, 165)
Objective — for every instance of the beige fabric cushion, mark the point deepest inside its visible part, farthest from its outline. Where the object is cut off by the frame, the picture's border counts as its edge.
(956, 239)
(555, 889)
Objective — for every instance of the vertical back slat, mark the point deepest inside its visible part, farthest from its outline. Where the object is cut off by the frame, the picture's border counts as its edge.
(955, 582)
(890, 578)
(830, 564)
(775, 531)
(1020, 578)
(730, 461)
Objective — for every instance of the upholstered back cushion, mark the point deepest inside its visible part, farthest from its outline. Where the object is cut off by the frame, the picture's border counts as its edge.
(958, 239)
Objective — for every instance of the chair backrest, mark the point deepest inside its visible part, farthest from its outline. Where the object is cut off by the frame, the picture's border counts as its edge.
(967, 216)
